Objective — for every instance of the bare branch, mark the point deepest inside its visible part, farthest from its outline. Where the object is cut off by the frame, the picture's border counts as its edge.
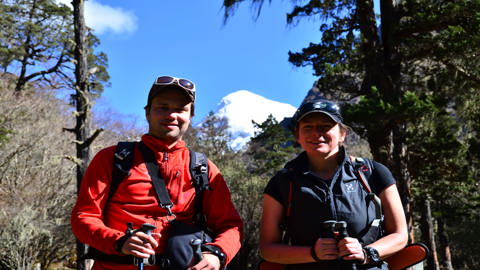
(69, 130)
(89, 141)
(73, 159)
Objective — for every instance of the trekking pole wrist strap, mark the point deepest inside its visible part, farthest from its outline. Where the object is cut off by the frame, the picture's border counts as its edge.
(217, 252)
(365, 258)
(314, 254)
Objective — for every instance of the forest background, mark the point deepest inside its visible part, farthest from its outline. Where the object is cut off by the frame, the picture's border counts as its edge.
(408, 80)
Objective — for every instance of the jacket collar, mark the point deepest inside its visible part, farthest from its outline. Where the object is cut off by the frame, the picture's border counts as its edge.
(299, 165)
(158, 145)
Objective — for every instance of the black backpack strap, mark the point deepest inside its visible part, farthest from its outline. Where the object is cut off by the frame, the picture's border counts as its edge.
(288, 213)
(157, 180)
(283, 226)
(199, 173)
(199, 170)
(363, 172)
(122, 162)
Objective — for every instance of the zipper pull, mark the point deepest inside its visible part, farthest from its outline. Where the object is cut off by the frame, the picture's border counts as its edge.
(165, 156)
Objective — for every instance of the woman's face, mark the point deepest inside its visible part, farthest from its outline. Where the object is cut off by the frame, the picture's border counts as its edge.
(319, 134)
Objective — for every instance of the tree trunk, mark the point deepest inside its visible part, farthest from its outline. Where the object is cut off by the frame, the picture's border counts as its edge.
(429, 236)
(383, 70)
(82, 127)
(378, 136)
(391, 87)
(444, 245)
(401, 173)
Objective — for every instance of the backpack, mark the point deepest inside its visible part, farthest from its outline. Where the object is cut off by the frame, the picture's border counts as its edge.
(123, 161)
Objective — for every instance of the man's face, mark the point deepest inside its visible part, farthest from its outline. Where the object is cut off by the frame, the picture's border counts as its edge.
(169, 115)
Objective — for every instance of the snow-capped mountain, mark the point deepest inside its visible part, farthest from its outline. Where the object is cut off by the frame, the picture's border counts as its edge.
(241, 107)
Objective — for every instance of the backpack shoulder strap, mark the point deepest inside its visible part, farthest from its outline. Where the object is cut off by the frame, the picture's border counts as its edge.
(363, 171)
(199, 170)
(122, 162)
(158, 182)
(199, 173)
(286, 179)
(286, 174)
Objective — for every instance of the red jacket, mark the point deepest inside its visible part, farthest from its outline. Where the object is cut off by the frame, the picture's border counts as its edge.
(135, 201)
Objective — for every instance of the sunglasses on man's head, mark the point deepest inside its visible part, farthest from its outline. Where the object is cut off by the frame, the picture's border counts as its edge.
(184, 83)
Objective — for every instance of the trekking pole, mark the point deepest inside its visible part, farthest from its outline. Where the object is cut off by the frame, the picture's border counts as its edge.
(197, 250)
(328, 229)
(341, 227)
(147, 229)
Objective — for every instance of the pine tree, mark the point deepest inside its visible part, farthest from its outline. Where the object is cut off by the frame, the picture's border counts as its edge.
(36, 45)
(270, 148)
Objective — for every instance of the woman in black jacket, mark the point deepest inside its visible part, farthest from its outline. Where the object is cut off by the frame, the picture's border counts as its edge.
(321, 188)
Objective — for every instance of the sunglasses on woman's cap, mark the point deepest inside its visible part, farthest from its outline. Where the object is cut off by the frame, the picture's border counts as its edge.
(322, 106)
(160, 82)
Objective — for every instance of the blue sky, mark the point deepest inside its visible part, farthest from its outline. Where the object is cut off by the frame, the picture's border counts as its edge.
(147, 38)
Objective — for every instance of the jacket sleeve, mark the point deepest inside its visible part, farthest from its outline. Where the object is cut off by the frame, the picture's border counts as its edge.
(222, 217)
(87, 215)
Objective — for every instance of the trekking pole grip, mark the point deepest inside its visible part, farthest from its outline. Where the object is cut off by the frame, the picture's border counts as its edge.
(147, 229)
(341, 227)
(197, 250)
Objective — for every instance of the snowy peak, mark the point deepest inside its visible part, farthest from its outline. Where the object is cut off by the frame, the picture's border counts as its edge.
(243, 107)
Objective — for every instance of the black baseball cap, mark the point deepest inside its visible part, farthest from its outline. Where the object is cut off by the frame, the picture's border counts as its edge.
(324, 106)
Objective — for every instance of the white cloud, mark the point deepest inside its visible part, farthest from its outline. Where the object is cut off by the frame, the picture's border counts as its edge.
(103, 18)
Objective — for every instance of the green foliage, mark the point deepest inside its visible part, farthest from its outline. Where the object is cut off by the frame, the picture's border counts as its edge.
(4, 133)
(36, 43)
(270, 147)
(465, 230)
(212, 138)
(438, 165)
(373, 110)
(337, 49)
(246, 189)
(98, 76)
(469, 112)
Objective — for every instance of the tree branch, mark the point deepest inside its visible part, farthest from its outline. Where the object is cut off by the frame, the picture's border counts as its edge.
(48, 71)
(73, 159)
(463, 72)
(69, 130)
(90, 139)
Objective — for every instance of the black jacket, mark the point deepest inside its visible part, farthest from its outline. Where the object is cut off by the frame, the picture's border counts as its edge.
(315, 201)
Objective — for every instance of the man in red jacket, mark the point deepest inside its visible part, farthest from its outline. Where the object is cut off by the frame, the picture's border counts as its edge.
(168, 111)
